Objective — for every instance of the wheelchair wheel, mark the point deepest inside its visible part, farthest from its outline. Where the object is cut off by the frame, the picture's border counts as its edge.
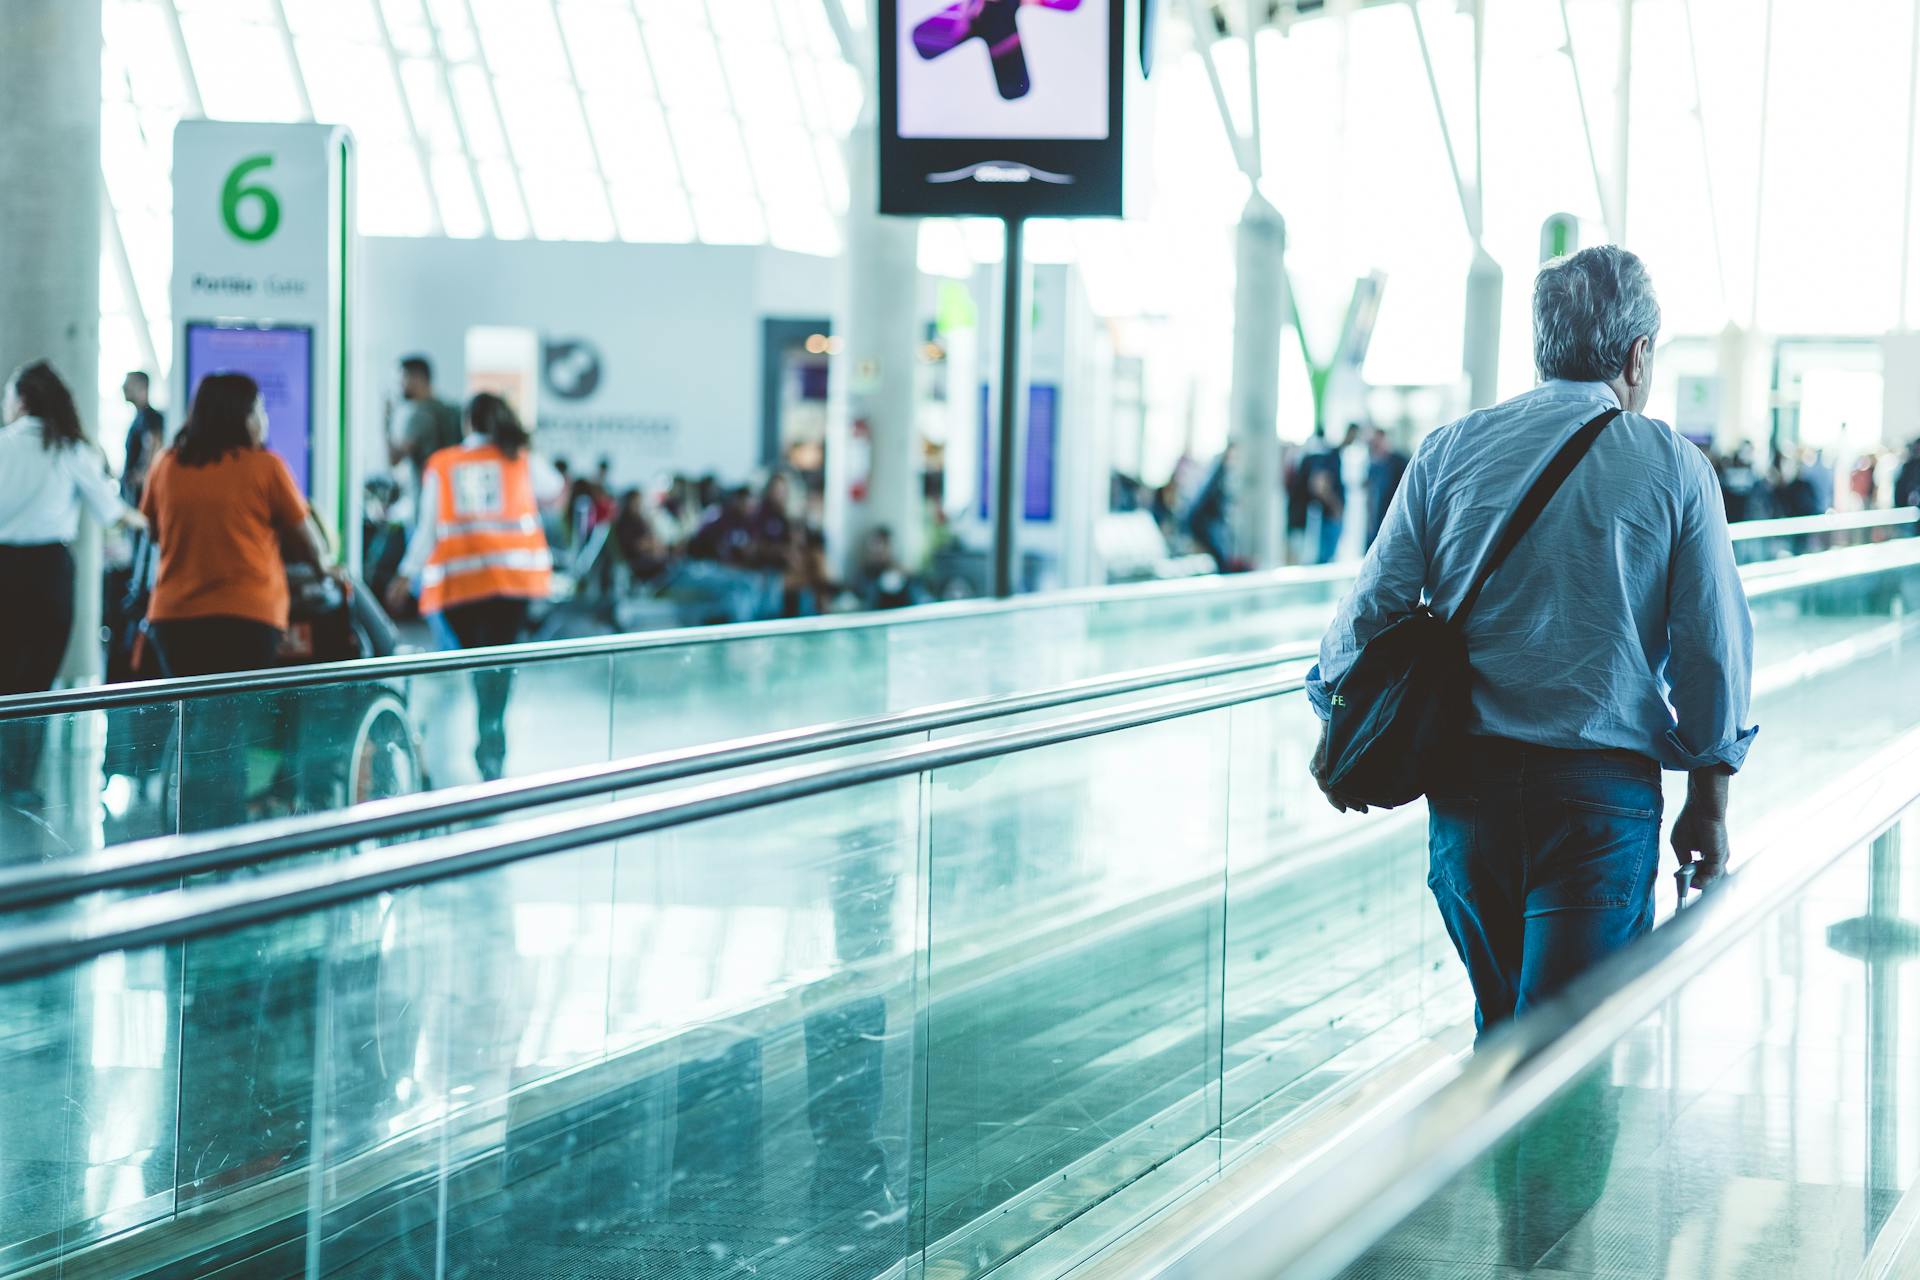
(384, 760)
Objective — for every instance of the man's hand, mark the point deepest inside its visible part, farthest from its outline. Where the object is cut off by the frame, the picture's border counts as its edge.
(1319, 770)
(1700, 832)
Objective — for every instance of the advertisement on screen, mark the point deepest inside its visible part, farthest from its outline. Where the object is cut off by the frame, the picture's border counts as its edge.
(281, 361)
(1001, 107)
(1000, 69)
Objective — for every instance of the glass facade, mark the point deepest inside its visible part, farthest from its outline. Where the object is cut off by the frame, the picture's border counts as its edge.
(638, 120)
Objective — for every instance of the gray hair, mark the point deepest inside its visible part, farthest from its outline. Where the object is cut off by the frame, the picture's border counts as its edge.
(1588, 310)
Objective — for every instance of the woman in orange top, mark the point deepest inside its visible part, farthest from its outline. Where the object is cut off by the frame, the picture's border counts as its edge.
(223, 509)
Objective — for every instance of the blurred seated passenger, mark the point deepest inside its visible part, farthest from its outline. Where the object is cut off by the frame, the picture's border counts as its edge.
(726, 536)
(879, 580)
(678, 514)
(772, 526)
(633, 533)
(227, 517)
(808, 585)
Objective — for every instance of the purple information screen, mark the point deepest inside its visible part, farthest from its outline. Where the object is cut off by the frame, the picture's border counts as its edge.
(281, 361)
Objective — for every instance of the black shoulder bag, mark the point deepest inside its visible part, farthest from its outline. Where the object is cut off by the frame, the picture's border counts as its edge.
(1402, 707)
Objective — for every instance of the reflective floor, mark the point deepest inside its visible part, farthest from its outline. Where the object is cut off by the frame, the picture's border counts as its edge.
(1764, 1123)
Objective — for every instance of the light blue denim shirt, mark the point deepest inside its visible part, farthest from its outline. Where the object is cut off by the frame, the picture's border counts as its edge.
(1618, 622)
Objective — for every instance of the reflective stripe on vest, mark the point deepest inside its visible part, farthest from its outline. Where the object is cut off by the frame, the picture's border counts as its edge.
(457, 528)
(521, 561)
(489, 540)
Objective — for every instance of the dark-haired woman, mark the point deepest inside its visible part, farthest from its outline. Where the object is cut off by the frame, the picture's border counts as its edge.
(223, 510)
(479, 551)
(49, 474)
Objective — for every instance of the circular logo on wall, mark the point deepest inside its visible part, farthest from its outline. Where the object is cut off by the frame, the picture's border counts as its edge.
(573, 368)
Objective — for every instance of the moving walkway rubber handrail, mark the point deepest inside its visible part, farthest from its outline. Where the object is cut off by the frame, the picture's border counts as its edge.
(1315, 1222)
(48, 946)
(166, 858)
(398, 666)
(1832, 522)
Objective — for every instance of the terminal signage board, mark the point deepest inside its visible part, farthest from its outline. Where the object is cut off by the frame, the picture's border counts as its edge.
(1002, 108)
(263, 254)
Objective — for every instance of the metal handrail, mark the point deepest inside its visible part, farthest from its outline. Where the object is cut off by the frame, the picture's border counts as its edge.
(166, 858)
(397, 666)
(147, 692)
(1763, 580)
(1311, 1223)
(172, 916)
(1831, 522)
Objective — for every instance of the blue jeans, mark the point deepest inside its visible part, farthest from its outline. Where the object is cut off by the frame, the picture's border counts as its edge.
(1543, 864)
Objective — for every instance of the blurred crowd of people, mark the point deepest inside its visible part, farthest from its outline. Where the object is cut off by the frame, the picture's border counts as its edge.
(707, 551)
(1808, 482)
(732, 553)
(1335, 498)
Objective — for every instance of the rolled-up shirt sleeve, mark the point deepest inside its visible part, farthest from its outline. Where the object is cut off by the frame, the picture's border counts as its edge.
(1391, 581)
(1709, 636)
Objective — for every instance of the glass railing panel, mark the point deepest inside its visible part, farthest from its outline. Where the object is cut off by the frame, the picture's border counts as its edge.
(1335, 958)
(1825, 624)
(82, 779)
(314, 749)
(699, 1048)
(1217, 622)
(1074, 1030)
(757, 1107)
(684, 695)
(88, 1140)
(1833, 682)
(1762, 1122)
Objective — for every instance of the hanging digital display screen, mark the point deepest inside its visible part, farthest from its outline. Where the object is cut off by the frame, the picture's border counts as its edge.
(1003, 108)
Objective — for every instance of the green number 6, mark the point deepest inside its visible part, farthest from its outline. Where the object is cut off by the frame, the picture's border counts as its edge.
(237, 190)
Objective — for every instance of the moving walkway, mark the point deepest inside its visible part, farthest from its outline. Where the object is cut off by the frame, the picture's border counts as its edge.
(978, 1000)
(135, 761)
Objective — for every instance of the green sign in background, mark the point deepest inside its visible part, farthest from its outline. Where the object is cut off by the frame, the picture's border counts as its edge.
(236, 191)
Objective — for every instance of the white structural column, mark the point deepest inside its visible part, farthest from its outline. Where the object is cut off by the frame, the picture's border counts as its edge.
(50, 252)
(876, 328)
(1260, 310)
(1480, 354)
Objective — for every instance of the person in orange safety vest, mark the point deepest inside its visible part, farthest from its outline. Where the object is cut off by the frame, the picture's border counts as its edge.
(479, 552)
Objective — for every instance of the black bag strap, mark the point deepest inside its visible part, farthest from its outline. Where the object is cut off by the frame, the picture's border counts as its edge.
(1551, 478)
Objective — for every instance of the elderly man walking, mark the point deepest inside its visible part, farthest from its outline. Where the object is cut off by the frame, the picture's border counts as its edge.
(1613, 642)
